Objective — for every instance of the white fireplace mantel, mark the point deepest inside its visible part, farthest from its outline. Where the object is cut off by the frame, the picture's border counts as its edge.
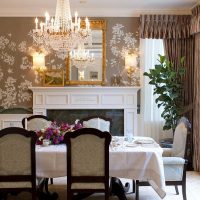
(125, 98)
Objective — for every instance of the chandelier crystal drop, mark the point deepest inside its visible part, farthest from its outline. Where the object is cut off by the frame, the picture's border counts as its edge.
(81, 57)
(61, 33)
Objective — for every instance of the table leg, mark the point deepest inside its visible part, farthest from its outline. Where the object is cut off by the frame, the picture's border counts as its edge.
(45, 195)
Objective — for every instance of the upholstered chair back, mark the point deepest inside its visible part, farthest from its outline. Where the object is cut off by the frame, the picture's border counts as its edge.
(88, 157)
(101, 123)
(17, 159)
(36, 122)
(10, 163)
(87, 161)
(179, 143)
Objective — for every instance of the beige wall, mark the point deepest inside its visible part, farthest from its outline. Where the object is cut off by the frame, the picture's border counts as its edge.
(16, 74)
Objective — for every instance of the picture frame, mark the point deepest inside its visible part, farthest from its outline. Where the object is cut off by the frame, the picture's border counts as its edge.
(93, 75)
(53, 78)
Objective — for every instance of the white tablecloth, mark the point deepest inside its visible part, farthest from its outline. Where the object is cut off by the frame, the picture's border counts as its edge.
(139, 162)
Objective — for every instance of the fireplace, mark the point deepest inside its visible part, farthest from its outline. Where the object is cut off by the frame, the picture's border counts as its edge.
(80, 102)
(70, 115)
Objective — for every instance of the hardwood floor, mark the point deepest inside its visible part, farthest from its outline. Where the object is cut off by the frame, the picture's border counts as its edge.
(146, 193)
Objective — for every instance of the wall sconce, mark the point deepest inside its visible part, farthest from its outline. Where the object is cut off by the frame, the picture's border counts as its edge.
(131, 66)
(39, 63)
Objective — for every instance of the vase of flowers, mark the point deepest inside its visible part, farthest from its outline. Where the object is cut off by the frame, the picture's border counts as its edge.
(55, 132)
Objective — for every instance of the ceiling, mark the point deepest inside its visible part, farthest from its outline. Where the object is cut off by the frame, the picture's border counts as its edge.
(97, 8)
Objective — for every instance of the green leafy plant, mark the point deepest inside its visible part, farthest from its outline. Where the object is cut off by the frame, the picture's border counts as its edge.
(168, 89)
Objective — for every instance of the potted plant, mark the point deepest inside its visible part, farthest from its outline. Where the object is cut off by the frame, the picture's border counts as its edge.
(167, 84)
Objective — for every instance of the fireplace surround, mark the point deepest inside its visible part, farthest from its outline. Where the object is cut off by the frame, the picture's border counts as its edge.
(94, 97)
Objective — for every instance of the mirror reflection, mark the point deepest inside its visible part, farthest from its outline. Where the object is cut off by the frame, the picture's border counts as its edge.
(86, 64)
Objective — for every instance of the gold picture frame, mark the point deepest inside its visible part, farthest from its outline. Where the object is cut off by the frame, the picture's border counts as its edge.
(53, 78)
(94, 25)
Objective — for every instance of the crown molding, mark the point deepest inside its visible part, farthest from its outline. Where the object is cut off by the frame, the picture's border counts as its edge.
(91, 12)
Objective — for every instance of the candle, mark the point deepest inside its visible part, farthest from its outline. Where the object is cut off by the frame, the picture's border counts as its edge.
(87, 23)
(41, 26)
(79, 23)
(47, 18)
(36, 23)
(76, 15)
(26, 123)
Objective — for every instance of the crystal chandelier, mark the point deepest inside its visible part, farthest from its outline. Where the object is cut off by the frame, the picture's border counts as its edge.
(61, 33)
(81, 57)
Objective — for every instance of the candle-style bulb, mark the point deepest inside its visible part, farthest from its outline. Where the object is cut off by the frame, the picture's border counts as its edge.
(47, 16)
(36, 23)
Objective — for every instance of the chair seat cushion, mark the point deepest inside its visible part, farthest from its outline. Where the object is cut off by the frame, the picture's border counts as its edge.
(15, 185)
(173, 168)
(88, 186)
(173, 161)
(167, 152)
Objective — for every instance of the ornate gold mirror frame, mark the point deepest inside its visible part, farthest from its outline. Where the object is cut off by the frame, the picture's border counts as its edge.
(95, 25)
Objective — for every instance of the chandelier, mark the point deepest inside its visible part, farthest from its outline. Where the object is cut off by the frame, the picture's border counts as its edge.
(81, 57)
(61, 33)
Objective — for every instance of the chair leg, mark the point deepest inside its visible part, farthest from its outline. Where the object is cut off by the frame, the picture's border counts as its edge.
(133, 186)
(51, 180)
(184, 190)
(176, 188)
(107, 194)
(137, 190)
(33, 195)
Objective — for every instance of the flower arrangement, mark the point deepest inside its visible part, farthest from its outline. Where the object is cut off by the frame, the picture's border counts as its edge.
(55, 132)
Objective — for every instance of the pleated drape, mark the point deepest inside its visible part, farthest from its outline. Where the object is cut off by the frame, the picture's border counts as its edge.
(178, 42)
(165, 26)
(175, 49)
(196, 121)
(195, 21)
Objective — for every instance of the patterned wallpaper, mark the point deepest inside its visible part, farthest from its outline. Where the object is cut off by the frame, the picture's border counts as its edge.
(16, 74)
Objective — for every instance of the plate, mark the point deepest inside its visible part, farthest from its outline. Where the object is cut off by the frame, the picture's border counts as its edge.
(131, 145)
(144, 141)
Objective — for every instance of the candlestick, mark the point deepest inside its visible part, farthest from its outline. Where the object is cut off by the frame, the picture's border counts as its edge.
(26, 123)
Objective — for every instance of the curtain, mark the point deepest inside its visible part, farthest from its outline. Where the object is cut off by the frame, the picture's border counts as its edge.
(196, 124)
(151, 121)
(175, 49)
(195, 30)
(195, 21)
(165, 26)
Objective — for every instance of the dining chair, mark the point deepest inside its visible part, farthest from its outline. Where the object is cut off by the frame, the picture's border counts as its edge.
(174, 160)
(87, 161)
(98, 122)
(17, 161)
(36, 122)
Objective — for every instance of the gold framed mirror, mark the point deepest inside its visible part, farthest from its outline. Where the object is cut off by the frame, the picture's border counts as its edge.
(95, 71)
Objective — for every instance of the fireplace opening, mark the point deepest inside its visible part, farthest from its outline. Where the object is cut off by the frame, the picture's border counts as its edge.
(70, 115)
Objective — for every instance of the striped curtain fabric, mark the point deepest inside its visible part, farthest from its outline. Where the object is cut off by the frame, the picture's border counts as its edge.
(195, 21)
(196, 122)
(175, 49)
(165, 26)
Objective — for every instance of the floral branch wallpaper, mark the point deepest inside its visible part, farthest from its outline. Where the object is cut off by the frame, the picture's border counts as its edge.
(16, 73)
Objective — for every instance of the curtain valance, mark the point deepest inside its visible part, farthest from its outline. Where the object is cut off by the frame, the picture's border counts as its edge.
(165, 26)
(195, 21)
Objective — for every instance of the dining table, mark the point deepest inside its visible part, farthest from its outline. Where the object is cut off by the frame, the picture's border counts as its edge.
(136, 158)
